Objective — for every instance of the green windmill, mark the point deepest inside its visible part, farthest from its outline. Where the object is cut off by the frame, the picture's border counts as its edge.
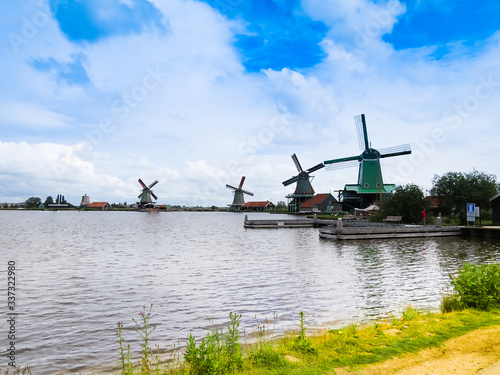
(370, 186)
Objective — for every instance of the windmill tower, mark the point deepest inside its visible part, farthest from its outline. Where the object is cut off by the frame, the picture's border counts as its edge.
(370, 186)
(146, 196)
(239, 199)
(304, 189)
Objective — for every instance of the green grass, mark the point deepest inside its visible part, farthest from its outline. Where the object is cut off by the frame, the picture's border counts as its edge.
(474, 304)
(353, 346)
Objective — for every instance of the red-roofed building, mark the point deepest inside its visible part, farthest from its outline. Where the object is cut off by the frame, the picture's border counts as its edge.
(321, 203)
(434, 201)
(259, 206)
(100, 205)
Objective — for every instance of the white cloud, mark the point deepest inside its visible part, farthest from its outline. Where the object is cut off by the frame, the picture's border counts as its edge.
(31, 115)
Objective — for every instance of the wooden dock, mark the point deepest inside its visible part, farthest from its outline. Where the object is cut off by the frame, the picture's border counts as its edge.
(283, 223)
(358, 229)
(341, 232)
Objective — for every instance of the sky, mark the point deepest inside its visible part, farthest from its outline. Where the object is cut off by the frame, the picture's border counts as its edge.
(195, 94)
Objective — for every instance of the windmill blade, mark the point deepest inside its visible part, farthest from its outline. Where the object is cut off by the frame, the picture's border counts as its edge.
(290, 181)
(154, 196)
(342, 165)
(296, 161)
(231, 187)
(247, 192)
(142, 184)
(139, 196)
(362, 133)
(242, 181)
(315, 168)
(153, 183)
(395, 151)
(334, 161)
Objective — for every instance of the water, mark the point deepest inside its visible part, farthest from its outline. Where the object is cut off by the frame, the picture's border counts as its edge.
(79, 273)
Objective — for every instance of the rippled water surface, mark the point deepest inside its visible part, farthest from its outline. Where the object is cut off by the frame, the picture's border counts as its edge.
(78, 273)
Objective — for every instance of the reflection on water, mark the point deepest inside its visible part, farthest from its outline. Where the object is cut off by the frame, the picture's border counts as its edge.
(78, 273)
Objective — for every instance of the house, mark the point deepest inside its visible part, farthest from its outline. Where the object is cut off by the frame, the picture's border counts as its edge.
(99, 205)
(495, 208)
(321, 203)
(258, 206)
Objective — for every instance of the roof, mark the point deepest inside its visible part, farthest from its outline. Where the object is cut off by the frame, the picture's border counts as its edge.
(257, 204)
(434, 201)
(317, 199)
(98, 204)
(494, 197)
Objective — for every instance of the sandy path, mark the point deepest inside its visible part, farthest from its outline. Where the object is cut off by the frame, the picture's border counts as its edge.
(477, 352)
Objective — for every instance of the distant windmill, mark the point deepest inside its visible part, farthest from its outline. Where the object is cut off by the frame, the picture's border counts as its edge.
(147, 195)
(304, 189)
(239, 199)
(370, 184)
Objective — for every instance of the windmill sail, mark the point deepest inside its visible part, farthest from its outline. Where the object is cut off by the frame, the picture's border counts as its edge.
(395, 151)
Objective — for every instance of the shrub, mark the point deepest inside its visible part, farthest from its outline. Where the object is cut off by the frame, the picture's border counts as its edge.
(265, 355)
(451, 303)
(478, 286)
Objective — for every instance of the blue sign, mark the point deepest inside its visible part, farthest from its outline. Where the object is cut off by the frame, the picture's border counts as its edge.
(471, 212)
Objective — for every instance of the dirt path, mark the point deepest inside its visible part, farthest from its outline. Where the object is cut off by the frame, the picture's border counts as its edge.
(477, 352)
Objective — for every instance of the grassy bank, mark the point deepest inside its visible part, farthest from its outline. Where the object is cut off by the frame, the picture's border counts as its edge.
(474, 304)
(352, 347)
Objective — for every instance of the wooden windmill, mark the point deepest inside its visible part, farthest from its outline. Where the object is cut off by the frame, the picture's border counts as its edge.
(239, 199)
(304, 189)
(147, 195)
(370, 186)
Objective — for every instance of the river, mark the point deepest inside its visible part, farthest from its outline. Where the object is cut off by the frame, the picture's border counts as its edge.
(79, 273)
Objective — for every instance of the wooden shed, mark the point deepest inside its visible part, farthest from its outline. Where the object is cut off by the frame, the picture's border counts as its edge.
(321, 203)
(258, 206)
(495, 208)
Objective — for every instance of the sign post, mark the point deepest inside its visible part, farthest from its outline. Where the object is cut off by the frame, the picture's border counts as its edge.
(471, 213)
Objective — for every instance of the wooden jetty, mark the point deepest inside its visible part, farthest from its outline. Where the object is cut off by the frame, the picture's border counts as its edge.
(341, 232)
(284, 223)
(358, 229)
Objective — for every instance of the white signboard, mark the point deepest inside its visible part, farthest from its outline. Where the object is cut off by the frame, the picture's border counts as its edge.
(471, 211)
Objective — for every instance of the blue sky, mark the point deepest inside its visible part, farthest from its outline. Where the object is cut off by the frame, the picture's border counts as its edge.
(198, 93)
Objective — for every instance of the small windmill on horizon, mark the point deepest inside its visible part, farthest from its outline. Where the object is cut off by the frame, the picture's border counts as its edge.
(239, 199)
(146, 202)
(370, 186)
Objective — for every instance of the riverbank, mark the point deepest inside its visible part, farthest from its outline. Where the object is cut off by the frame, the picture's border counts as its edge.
(475, 353)
(464, 343)
(418, 342)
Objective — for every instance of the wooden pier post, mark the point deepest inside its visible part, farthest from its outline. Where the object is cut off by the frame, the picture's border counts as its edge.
(438, 221)
(340, 226)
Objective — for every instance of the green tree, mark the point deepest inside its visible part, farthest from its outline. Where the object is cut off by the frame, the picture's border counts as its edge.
(48, 201)
(33, 202)
(281, 205)
(455, 189)
(407, 201)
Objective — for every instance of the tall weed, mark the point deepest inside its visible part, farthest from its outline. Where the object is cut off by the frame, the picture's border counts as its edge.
(215, 355)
